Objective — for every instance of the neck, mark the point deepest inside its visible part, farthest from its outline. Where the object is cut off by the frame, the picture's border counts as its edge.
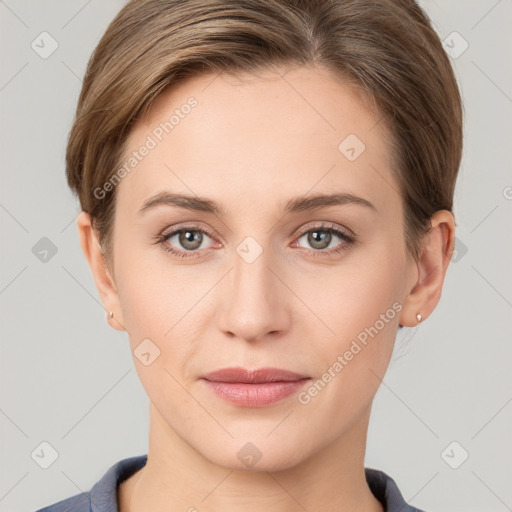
(177, 477)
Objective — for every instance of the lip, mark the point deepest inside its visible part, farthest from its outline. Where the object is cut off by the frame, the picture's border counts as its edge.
(254, 388)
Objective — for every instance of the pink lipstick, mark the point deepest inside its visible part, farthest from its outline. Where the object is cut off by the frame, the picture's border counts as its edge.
(254, 388)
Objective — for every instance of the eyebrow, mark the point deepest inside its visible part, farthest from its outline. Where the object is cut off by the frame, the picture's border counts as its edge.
(297, 204)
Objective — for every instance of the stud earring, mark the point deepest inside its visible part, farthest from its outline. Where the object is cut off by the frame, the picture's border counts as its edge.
(418, 317)
(110, 315)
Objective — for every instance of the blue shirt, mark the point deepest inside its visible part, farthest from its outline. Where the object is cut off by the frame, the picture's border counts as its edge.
(103, 495)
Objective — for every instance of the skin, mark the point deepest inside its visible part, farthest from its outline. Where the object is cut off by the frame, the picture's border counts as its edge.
(250, 145)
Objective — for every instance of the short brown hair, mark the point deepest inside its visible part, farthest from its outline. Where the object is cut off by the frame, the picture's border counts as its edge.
(386, 47)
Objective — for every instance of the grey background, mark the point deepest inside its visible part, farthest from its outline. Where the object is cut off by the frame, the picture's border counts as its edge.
(68, 379)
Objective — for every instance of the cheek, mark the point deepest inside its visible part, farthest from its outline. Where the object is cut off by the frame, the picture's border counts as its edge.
(352, 296)
(357, 315)
(162, 304)
(151, 297)
(160, 322)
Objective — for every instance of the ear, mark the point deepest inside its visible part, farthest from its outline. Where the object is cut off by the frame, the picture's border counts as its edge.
(431, 266)
(100, 270)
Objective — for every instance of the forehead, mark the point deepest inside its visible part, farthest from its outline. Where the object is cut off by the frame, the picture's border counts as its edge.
(251, 137)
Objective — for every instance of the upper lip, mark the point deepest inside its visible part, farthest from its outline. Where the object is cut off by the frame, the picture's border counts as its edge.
(257, 376)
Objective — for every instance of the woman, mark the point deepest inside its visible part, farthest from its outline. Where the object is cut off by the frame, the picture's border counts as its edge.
(267, 191)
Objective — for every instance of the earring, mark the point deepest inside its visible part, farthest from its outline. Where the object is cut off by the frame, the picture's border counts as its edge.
(110, 315)
(418, 317)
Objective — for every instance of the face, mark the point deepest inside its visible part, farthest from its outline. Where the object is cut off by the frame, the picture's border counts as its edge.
(267, 278)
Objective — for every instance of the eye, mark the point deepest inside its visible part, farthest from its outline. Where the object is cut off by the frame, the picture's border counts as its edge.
(322, 237)
(186, 239)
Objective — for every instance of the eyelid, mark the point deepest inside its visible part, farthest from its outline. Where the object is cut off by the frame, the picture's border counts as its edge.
(184, 226)
(326, 225)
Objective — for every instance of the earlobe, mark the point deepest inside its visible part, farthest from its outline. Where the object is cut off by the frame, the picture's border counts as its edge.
(100, 271)
(432, 264)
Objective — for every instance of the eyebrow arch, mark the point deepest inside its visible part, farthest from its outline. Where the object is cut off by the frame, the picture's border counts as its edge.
(298, 204)
(313, 202)
(194, 203)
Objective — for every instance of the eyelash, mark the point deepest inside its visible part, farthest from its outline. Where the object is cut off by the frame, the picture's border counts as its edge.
(348, 239)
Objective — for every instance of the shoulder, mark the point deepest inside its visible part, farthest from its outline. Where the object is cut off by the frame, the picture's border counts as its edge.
(103, 495)
(385, 489)
(77, 503)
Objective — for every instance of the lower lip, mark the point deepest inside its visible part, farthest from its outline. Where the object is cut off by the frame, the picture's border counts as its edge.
(255, 395)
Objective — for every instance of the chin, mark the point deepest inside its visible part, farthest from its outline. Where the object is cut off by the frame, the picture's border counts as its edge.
(257, 454)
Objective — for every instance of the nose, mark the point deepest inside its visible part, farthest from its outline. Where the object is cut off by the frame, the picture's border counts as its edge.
(257, 302)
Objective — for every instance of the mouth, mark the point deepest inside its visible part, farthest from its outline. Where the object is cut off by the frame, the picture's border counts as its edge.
(254, 388)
